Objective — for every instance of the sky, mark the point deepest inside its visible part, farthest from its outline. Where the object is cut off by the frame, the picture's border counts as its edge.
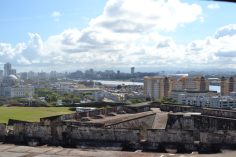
(151, 35)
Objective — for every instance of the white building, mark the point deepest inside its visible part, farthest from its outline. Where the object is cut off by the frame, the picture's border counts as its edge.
(111, 96)
(208, 101)
(10, 87)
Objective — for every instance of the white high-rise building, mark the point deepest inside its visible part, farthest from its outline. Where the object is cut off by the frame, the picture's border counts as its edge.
(7, 69)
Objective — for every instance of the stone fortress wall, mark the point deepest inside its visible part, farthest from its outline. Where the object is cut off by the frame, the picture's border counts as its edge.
(186, 128)
(2, 131)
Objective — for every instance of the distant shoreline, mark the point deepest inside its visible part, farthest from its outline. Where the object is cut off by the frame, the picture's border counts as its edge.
(110, 82)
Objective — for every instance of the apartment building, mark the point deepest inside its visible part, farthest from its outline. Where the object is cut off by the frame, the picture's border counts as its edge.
(157, 87)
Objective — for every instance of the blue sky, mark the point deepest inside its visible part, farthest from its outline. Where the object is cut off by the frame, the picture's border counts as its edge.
(17, 18)
(213, 19)
(116, 34)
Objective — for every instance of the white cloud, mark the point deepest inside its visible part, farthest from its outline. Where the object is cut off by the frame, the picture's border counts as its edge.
(126, 34)
(228, 30)
(213, 6)
(22, 60)
(216, 51)
(8, 51)
(145, 15)
(56, 16)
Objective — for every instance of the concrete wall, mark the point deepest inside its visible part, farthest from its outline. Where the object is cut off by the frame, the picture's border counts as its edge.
(2, 131)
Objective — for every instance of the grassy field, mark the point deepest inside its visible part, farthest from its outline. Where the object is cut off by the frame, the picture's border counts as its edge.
(32, 114)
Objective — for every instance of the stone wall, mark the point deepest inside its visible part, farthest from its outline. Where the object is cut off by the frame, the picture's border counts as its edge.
(211, 123)
(200, 123)
(137, 109)
(204, 111)
(99, 134)
(181, 129)
(176, 108)
(144, 122)
(63, 135)
(219, 113)
(97, 104)
(175, 135)
(2, 132)
(78, 115)
(221, 137)
(180, 122)
(169, 136)
(58, 118)
(28, 131)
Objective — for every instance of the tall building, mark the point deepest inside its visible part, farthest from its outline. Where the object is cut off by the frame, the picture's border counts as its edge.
(13, 71)
(31, 75)
(118, 73)
(227, 85)
(42, 76)
(24, 76)
(157, 87)
(197, 83)
(132, 70)
(1, 74)
(53, 75)
(7, 69)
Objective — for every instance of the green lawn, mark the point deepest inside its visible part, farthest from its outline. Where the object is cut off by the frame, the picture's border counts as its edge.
(32, 114)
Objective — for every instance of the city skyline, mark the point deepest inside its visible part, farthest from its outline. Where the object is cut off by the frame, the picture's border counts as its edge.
(117, 34)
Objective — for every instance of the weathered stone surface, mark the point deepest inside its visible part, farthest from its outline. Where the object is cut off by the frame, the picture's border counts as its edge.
(180, 122)
(200, 122)
(2, 131)
(212, 123)
(99, 134)
(130, 131)
(203, 111)
(218, 137)
(136, 123)
(169, 136)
